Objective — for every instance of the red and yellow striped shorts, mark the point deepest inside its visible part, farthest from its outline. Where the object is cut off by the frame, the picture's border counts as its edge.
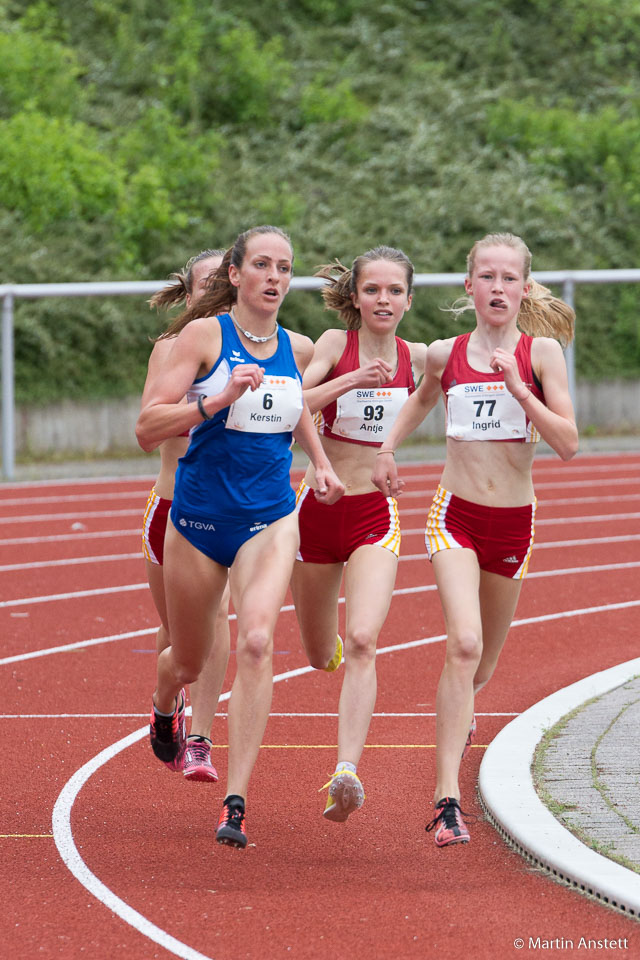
(330, 534)
(501, 537)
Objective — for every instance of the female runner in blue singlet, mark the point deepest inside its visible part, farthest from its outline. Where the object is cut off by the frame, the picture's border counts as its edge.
(234, 508)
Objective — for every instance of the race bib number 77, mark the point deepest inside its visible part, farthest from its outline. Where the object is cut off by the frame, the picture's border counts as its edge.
(485, 411)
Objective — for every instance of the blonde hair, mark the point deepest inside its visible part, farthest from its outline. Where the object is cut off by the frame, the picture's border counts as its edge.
(220, 294)
(182, 286)
(541, 314)
(343, 281)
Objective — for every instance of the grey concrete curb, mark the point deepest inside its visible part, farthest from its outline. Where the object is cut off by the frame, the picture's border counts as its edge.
(512, 804)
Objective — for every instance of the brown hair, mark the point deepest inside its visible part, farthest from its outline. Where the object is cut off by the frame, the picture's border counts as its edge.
(182, 286)
(541, 314)
(220, 294)
(337, 292)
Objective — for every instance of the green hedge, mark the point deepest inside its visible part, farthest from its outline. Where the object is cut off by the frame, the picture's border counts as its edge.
(133, 134)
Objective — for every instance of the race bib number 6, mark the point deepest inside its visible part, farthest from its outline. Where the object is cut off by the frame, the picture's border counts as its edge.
(274, 407)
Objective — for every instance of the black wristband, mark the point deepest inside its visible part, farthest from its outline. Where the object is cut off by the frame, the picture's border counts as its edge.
(205, 415)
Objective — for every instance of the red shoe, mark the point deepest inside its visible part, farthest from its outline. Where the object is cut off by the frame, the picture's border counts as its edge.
(168, 735)
(231, 828)
(470, 737)
(197, 764)
(448, 823)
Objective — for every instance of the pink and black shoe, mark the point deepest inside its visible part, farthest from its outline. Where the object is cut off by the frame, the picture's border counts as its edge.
(168, 735)
(197, 764)
(448, 824)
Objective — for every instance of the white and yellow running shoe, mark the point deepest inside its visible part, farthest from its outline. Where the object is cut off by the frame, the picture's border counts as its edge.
(346, 794)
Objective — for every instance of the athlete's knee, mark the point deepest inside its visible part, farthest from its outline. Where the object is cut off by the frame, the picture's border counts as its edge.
(255, 646)
(187, 665)
(464, 649)
(361, 643)
(185, 672)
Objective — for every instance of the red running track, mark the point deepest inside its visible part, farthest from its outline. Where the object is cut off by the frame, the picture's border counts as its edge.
(142, 877)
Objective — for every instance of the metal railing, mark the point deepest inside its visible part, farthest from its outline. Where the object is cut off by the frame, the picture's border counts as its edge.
(9, 293)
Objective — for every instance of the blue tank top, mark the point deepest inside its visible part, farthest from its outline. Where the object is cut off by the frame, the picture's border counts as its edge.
(238, 463)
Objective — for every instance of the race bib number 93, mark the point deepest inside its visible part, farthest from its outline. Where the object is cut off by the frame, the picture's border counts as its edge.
(368, 414)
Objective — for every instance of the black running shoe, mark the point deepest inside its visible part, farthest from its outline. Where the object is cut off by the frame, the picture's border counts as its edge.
(168, 735)
(231, 828)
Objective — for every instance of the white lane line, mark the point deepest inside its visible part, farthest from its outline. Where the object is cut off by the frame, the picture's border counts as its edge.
(509, 796)
(142, 716)
(545, 485)
(562, 501)
(416, 511)
(63, 833)
(25, 601)
(569, 501)
(288, 608)
(90, 515)
(411, 471)
(587, 542)
(65, 537)
(100, 591)
(588, 518)
(72, 498)
(69, 561)
(560, 521)
(408, 494)
(63, 836)
(414, 471)
(82, 481)
(100, 558)
(79, 645)
(616, 459)
(576, 467)
(552, 544)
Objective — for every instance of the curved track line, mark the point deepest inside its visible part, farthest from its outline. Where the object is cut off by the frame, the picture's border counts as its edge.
(61, 819)
(510, 799)
(63, 836)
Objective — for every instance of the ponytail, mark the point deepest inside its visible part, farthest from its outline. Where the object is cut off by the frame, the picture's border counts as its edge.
(543, 315)
(172, 294)
(337, 293)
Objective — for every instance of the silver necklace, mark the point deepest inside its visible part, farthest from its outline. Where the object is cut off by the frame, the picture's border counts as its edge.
(252, 336)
